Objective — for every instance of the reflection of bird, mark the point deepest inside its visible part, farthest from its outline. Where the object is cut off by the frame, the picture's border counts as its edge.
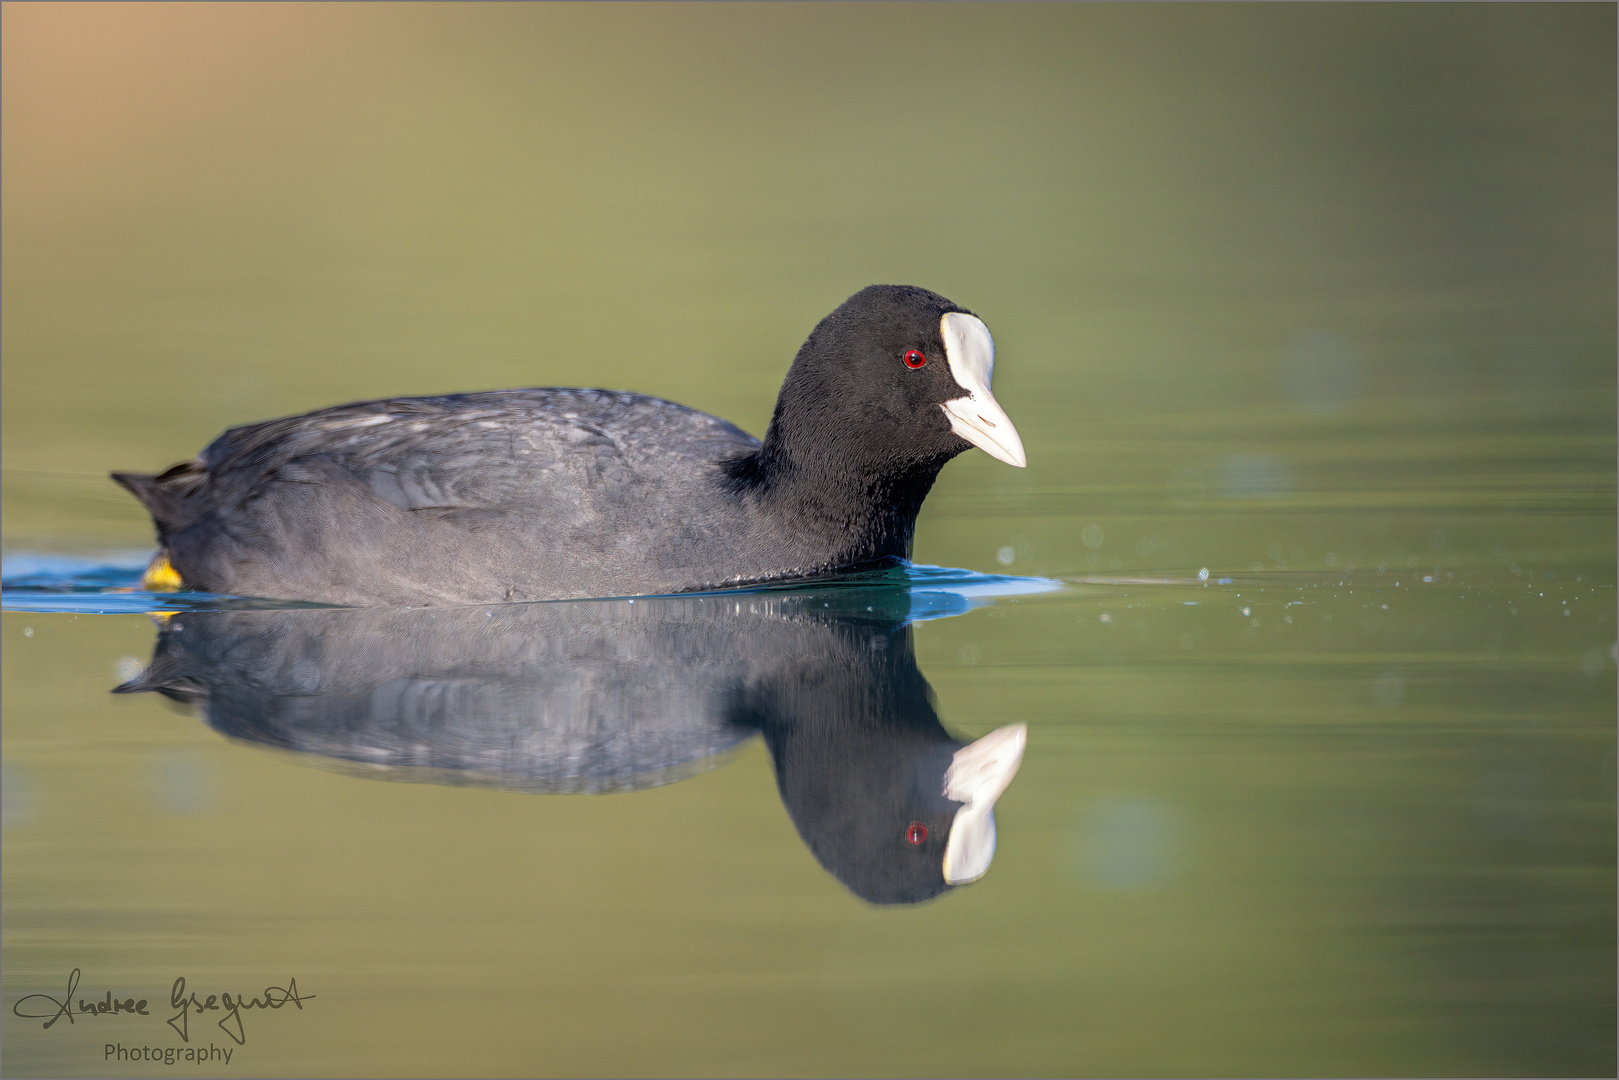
(538, 494)
(886, 800)
(612, 695)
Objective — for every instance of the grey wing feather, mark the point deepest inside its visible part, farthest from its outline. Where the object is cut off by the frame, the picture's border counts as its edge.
(501, 451)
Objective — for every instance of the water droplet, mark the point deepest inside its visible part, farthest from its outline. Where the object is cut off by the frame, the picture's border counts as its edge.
(16, 790)
(180, 782)
(1388, 689)
(1126, 844)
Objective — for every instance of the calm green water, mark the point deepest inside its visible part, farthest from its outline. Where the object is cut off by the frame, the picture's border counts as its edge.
(1318, 299)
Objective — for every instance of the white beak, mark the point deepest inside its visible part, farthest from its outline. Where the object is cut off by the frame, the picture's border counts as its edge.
(978, 417)
(977, 776)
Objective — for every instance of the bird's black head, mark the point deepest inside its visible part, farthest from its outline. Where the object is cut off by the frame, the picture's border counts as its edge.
(896, 378)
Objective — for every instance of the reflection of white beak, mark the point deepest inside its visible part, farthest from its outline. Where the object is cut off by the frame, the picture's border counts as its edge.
(978, 417)
(977, 776)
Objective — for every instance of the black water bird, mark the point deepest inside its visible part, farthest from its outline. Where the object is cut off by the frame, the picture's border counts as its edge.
(552, 493)
(611, 696)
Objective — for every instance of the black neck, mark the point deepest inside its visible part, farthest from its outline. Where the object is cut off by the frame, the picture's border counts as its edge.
(836, 497)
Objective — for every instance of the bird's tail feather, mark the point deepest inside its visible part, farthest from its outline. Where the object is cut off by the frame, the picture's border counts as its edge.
(168, 497)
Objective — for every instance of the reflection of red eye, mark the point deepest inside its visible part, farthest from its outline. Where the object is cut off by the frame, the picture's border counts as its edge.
(917, 833)
(915, 359)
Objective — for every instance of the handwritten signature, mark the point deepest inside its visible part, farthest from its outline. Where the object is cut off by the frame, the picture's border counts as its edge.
(108, 1005)
(274, 997)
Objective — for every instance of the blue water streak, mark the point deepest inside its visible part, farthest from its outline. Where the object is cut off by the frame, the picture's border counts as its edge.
(107, 585)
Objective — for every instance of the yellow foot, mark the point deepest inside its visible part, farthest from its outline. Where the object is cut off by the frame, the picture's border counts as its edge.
(160, 576)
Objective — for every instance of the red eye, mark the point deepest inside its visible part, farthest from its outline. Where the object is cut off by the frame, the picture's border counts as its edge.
(917, 832)
(915, 359)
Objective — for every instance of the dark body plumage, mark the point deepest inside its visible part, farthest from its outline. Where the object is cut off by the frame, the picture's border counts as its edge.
(554, 493)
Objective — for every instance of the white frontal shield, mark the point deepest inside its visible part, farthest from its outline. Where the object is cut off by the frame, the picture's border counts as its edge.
(977, 776)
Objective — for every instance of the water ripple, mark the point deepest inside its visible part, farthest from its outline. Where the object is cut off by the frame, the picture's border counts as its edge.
(107, 585)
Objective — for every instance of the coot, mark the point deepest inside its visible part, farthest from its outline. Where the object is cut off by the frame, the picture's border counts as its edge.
(556, 493)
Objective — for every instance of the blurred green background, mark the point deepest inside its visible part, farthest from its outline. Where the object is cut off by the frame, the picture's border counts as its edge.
(1307, 216)
(1301, 293)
